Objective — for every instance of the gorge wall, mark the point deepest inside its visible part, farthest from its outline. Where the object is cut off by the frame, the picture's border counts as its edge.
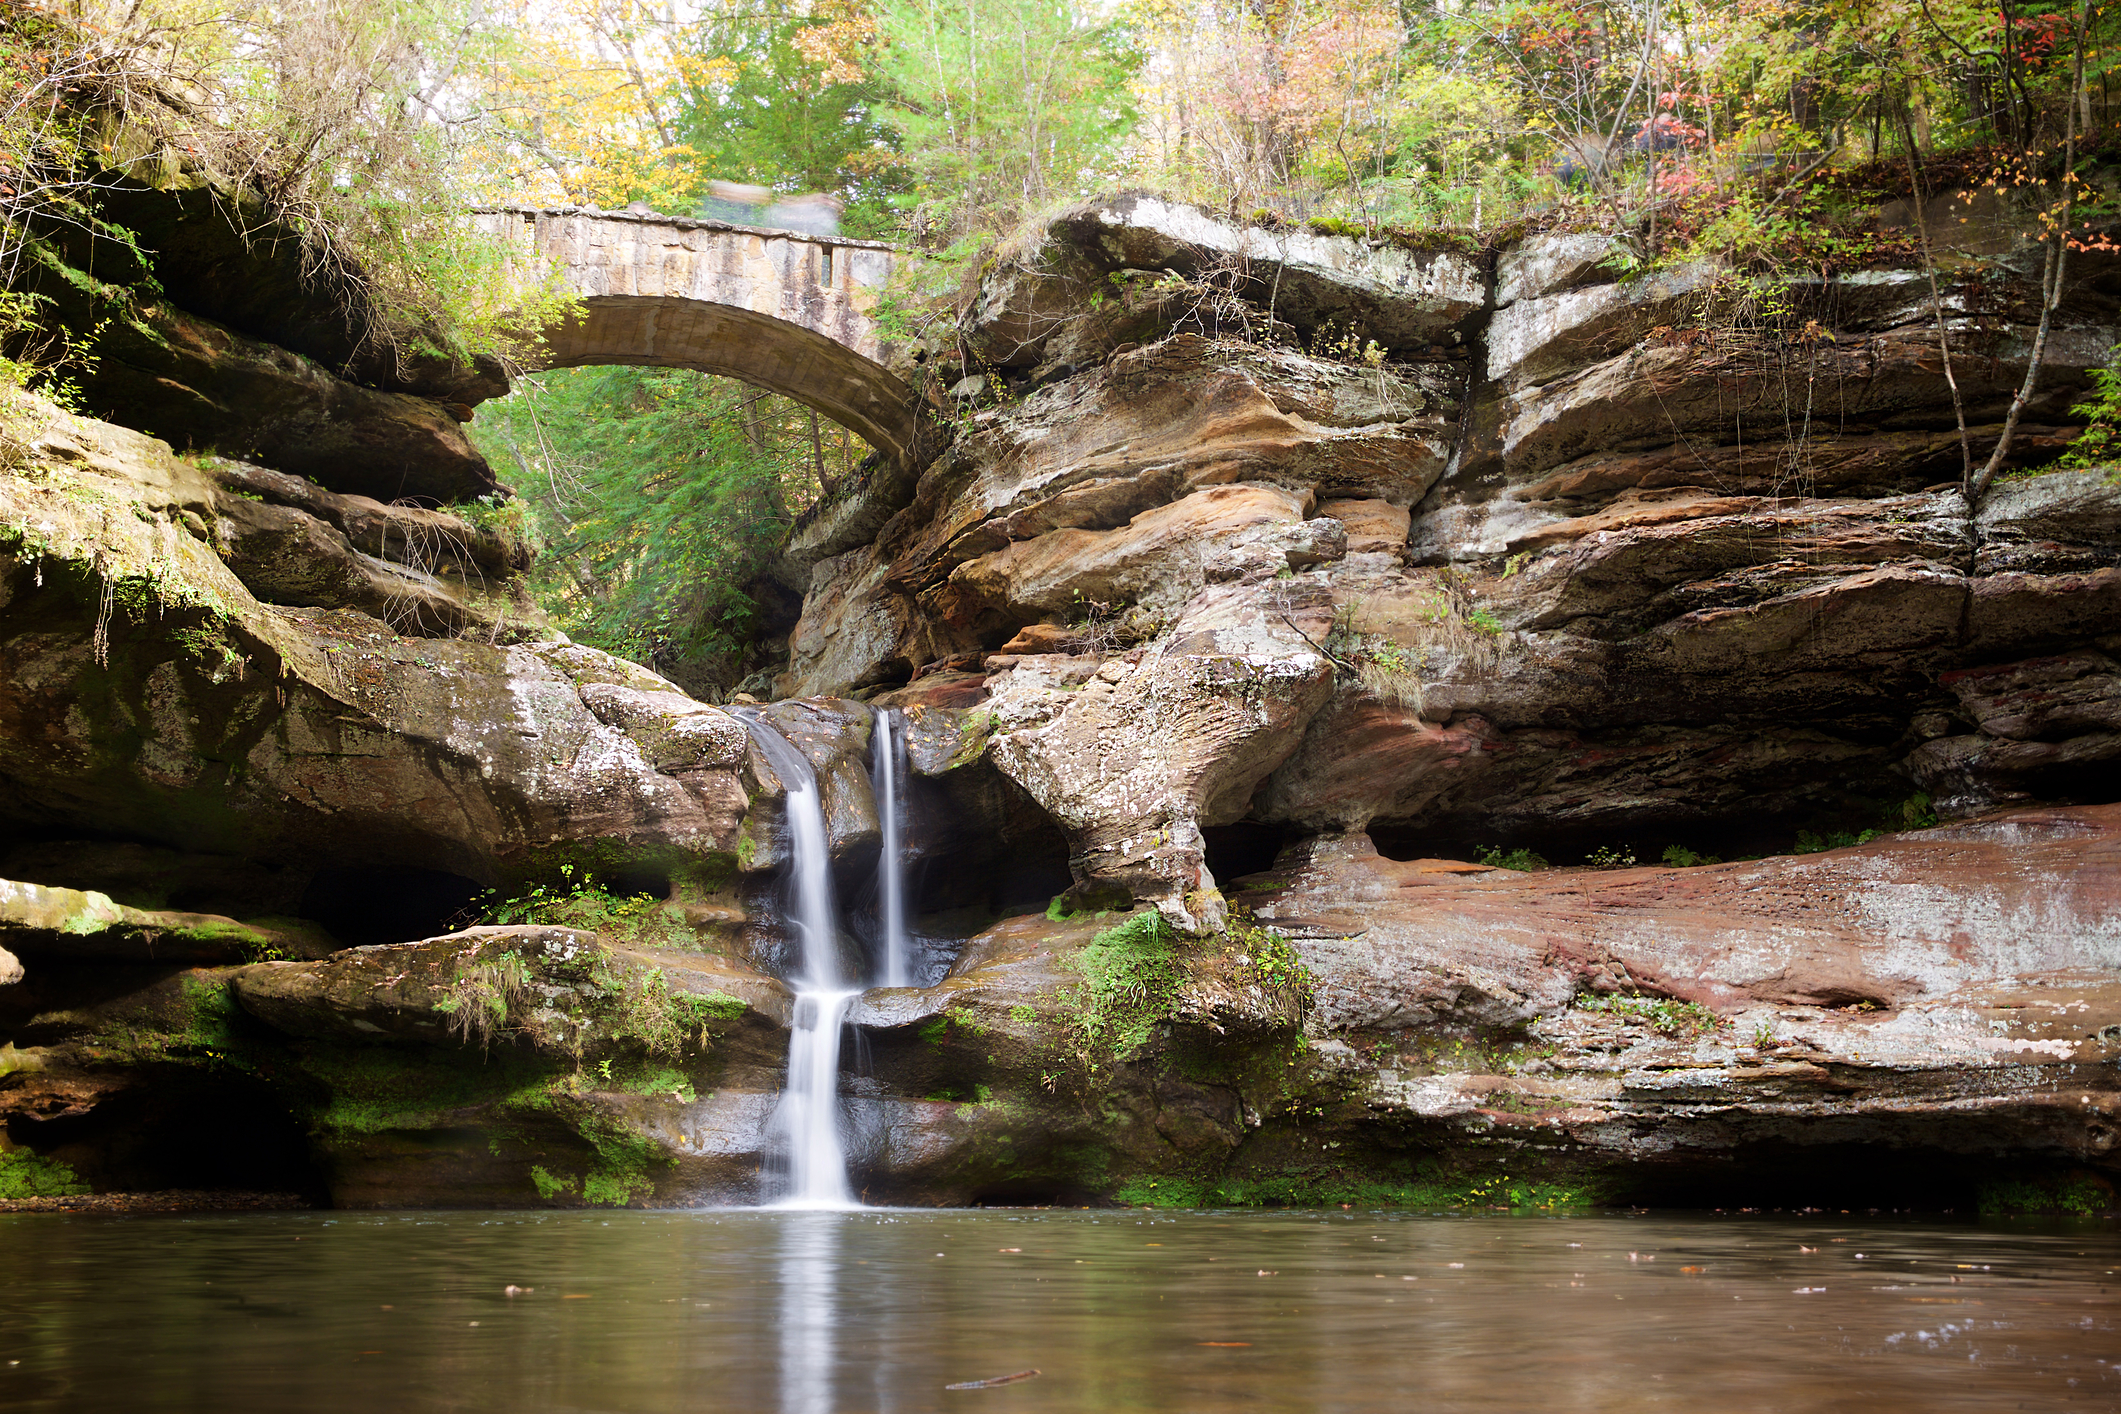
(1269, 583)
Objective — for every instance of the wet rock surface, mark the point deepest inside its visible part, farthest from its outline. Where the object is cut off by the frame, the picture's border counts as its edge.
(1947, 992)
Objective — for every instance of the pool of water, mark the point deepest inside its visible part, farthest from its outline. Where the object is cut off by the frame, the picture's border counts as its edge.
(1116, 1310)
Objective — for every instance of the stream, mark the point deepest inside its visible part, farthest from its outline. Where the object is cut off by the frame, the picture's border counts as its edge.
(884, 1309)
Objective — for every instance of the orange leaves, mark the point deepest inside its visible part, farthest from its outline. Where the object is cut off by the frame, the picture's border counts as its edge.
(839, 48)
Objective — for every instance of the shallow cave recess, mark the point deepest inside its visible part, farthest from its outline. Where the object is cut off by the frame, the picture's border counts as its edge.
(179, 1129)
(1571, 846)
(1834, 1178)
(361, 905)
(1247, 847)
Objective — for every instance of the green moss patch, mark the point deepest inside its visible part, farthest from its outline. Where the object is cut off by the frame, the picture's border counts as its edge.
(1431, 1191)
(27, 1175)
(1131, 975)
(2060, 1193)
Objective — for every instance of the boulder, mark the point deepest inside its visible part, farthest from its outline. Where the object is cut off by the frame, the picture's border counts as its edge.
(1373, 526)
(287, 556)
(403, 534)
(833, 736)
(1140, 757)
(1096, 450)
(1680, 1016)
(1550, 265)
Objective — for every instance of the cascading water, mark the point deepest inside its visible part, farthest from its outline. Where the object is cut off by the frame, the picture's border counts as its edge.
(886, 773)
(806, 1124)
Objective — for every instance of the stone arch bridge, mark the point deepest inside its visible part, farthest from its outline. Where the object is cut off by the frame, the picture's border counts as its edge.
(784, 311)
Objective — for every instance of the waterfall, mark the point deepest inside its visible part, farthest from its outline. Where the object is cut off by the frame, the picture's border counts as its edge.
(888, 753)
(806, 1124)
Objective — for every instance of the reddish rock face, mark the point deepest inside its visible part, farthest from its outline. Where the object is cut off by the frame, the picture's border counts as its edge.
(1856, 995)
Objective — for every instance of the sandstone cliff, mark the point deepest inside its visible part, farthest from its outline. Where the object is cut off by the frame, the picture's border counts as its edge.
(1273, 592)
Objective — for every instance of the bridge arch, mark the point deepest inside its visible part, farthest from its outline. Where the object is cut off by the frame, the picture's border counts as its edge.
(784, 311)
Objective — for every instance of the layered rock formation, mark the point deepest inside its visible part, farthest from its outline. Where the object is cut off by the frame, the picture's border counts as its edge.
(1562, 559)
(194, 310)
(1268, 579)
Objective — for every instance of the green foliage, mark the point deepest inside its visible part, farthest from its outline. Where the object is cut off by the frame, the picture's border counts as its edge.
(656, 497)
(1913, 813)
(1809, 842)
(1435, 1191)
(1667, 1017)
(27, 1175)
(550, 1187)
(615, 1188)
(1608, 856)
(1275, 965)
(1521, 859)
(1680, 857)
(1130, 979)
(1483, 620)
(663, 1081)
(333, 117)
(1004, 106)
(1387, 669)
(758, 107)
(623, 1159)
(212, 1015)
(579, 900)
(639, 1008)
(371, 1089)
(2073, 1193)
(478, 999)
(2096, 445)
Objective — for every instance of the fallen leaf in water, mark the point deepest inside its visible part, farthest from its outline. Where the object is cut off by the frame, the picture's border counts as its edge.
(575, 1296)
(1692, 1271)
(513, 1290)
(1008, 1249)
(1802, 1248)
(997, 1380)
(1265, 1273)
(1455, 1266)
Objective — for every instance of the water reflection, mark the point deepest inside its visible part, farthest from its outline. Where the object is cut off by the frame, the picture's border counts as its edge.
(809, 1306)
(878, 1310)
